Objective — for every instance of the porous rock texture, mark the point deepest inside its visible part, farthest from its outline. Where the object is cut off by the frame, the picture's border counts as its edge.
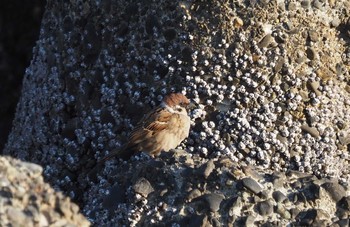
(270, 133)
(26, 200)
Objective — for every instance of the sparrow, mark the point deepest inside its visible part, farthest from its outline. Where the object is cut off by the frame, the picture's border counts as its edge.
(162, 129)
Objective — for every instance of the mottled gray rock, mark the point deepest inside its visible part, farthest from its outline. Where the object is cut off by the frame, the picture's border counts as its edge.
(279, 196)
(214, 200)
(252, 185)
(143, 187)
(335, 190)
(264, 208)
(208, 168)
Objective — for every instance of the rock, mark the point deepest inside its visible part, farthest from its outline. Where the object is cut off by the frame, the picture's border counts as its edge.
(314, 85)
(252, 185)
(266, 41)
(305, 4)
(143, 187)
(311, 53)
(264, 208)
(279, 196)
(335, 22)
(281, 210)
(214, 200)
(311, 130)
(306, 217)
(343, 222)
(249, 171)
(335, 190)
(195, 193)
(207, 168)
(344, 203)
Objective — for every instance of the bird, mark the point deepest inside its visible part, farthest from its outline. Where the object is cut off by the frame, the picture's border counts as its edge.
(161, 129)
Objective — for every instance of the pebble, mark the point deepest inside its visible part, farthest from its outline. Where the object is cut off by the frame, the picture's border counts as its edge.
(143, 187)
(311, 53)
(311, 130)
(264, 208)
(279, 196)
(314, 85)
(335, 190)
(252, 185)
(266, 41)
(208, 168)
(195, 193)
(214, 200)
(313, 35)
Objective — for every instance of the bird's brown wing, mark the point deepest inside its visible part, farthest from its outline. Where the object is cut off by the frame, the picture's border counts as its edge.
(142, 136)
(154, 122)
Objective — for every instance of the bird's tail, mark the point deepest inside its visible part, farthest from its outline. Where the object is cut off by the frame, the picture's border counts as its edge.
(124, 152)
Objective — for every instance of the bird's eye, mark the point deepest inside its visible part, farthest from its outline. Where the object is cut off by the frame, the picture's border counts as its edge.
(179, 109)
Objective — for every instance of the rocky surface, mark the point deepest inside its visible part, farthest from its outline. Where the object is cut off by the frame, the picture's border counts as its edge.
(177, 189)
(26, 200)
(270, 82)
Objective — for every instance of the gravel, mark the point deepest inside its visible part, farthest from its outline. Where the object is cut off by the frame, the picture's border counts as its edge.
(26, 200)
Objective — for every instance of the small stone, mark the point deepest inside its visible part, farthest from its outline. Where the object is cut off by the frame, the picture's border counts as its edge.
(237, 22)
(208, 168)
(344, 203)
(305, 4)
(292, 6)
(311, 53)
(251, 172)
(314, 85)
(195, 193)
(318, 5)
(266, 41)
(294, 212)
(279, 196)
(335, 22)
(282, 211)
(264, 208)
(312, 192)
(252, 185)
(313, 35)
(324, 73)
(344, 222)
(311, 130)
(143, 187)
(279, 179)
(344, 139)
(306, 217)
(214, 200)
(335, 190)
